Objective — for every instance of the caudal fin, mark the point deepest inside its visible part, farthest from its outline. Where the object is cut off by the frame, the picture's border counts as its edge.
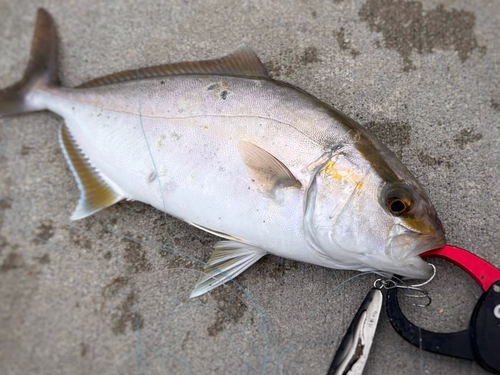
(41, 70)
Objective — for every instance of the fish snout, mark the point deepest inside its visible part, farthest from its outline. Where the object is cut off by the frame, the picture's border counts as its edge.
(404, 246)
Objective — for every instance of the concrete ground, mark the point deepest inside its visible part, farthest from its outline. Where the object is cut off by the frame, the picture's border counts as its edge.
(109, 295)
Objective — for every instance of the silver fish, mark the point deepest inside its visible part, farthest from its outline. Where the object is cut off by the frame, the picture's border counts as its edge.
(222, 146)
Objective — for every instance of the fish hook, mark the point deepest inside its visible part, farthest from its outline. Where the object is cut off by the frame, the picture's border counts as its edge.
(391, 284)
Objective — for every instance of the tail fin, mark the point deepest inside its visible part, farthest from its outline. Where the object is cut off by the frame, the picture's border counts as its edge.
(41, 70)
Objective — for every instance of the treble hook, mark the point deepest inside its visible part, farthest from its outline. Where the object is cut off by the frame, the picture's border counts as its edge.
(389, 284)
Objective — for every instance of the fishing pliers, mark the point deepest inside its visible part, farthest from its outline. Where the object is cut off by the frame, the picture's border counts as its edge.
(481, 341)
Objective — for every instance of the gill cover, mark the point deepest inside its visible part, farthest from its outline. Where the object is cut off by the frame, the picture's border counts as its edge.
(332, 193)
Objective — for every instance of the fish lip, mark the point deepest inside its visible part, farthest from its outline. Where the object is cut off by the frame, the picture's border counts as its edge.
(404, 247)
(404, 243)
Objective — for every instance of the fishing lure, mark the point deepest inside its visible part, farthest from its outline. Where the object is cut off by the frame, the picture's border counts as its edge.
(354, 349)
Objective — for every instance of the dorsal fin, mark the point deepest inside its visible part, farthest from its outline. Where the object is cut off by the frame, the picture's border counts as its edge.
(241, 63)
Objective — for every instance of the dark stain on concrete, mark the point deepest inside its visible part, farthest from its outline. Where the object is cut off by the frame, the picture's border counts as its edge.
(185, 340)
(466, 137)
(4, 244)
(112, 220)
(127, 315)
(3, 241)
(204, 239)
(310, 55)
(282, 266)
(228, 302)
(274, 267)
(44, 231)
(345, 43)
(172, 260)
(275, 68)
(290, 61)
(218, 326)
(270, 266)
(135, 256)
(394, 134)
(88, 224)
(4, 204)
(495, 104)
(25, 150)
(80, 240)
(432, 161)
(112, 289)
(406, 28)
(44, 259)
(13, 261)
(115, 285)
(83, 349)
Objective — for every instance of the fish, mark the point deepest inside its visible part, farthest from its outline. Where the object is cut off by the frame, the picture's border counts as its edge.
(224, 147)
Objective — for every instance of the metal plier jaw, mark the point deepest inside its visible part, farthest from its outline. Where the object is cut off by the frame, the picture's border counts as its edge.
(481, 341)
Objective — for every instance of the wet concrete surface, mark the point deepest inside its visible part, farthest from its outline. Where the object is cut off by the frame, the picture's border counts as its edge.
(110, 294)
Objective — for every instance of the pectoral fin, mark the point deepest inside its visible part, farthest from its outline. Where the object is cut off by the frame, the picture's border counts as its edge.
(95, 194)
(267, 171)
(229, 259)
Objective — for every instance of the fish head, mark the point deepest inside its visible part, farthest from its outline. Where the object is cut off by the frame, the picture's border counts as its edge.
(358, 218)
(412, 228)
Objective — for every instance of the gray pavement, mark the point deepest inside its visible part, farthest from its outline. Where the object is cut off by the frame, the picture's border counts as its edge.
(110, 294)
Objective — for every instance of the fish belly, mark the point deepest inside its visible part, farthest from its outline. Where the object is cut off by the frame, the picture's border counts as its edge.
(189, 166)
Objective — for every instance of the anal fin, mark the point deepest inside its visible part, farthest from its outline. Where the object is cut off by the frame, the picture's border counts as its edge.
(229, 259)
(95, 194)
(215, 233)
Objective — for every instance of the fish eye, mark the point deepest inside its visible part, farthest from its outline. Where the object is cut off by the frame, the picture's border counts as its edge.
(398, 201)
(397, 206)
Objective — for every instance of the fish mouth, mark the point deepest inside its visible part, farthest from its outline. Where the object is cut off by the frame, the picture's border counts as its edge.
(404, 247)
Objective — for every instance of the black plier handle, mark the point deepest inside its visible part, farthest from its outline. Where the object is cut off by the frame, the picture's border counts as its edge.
(481, 341)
